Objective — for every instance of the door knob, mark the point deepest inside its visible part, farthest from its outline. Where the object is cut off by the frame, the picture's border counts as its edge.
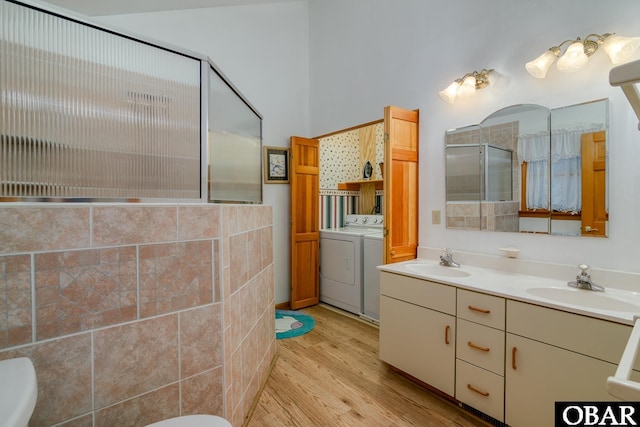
(588, 229)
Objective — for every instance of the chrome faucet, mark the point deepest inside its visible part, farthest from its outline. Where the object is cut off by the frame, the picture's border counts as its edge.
(583, 280)
(446, 259)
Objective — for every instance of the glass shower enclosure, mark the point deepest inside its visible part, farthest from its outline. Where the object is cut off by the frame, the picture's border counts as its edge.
(88, 113)
(478, 172)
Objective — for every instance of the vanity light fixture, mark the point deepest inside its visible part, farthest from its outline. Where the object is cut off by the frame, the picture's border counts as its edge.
(578, 51)
(466, 85)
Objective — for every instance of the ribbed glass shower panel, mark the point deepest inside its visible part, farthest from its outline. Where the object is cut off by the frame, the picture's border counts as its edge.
(235, 146)
(90, 114)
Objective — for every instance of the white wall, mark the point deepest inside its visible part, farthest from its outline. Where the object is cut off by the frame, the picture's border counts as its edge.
(367, 54)
(263, 50)
(348, 59)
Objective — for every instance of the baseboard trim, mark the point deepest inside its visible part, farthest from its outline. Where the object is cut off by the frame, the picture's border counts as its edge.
(283, 306)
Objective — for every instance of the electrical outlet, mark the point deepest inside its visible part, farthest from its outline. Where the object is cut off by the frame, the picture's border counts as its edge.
(435, 217)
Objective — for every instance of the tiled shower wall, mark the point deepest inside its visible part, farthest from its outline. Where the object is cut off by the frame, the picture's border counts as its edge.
(136, 313)
(491, 216)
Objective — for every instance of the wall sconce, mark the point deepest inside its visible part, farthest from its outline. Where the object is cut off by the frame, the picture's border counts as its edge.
(466, 85)
(577, 53)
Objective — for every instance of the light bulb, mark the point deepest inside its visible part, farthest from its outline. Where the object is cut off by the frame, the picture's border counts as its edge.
(573, 59)
(468, 87)
(449, 94)
(538, 67)
(620, 49)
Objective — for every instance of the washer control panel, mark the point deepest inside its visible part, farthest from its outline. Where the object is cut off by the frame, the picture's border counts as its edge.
(353, 220)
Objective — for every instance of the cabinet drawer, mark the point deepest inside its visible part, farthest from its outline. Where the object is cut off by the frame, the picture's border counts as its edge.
(480, 345)
(480, 389)
(481, 308)
(420, 292)
(585, 335)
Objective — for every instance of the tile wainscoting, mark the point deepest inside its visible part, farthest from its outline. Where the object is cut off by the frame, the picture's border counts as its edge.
(136, 313)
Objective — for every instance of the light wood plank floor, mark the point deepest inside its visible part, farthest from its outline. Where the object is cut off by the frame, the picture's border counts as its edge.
(332, 376)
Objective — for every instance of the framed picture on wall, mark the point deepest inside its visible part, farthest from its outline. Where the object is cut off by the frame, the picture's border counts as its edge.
(276, 165)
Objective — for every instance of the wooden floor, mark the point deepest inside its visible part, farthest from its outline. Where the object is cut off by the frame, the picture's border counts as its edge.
(332, 376)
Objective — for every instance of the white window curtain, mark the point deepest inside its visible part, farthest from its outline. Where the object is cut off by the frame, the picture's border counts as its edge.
(563, 190)
(534, 149)
(566, 167)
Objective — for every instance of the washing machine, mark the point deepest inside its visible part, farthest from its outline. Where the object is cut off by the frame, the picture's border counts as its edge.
(341, 261)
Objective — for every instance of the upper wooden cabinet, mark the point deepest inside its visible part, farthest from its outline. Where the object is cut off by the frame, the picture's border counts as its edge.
(400, 184)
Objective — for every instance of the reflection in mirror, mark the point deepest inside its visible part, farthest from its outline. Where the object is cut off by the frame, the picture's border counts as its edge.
(498, 177)
(463, 183)
(526, 168)
(579, 169)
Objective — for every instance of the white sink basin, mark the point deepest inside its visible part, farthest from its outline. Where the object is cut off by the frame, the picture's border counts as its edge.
(18, 391)
(435, 270)
(585, 298)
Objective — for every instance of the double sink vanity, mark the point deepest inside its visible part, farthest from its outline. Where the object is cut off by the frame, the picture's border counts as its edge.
(505, 338)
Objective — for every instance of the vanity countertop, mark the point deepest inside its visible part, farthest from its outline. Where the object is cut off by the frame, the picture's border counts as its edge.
(618, 305)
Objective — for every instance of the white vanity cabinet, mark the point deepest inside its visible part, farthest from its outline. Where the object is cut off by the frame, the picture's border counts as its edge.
(418, 329)
(480, 352)
(556, 356)
(509, 359)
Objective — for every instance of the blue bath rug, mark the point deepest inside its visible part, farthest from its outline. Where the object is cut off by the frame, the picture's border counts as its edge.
(292, 323)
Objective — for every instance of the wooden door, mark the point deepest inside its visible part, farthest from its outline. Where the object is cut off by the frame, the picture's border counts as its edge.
(400, 184)
(305, 222)
(594, 184)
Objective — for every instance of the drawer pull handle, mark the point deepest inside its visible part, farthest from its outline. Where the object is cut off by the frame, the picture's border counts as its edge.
(446, 334)
(479, 310)
(477, 347)
(480, 392)
(513, 358)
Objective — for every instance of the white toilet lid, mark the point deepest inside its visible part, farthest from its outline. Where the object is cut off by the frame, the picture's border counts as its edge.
(193, 421)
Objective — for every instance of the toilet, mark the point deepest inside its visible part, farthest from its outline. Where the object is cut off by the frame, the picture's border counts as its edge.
(19, 392)
(193, 421)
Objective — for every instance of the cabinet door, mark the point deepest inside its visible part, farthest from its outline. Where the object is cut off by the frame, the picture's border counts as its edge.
(418, 341)
(538, 375)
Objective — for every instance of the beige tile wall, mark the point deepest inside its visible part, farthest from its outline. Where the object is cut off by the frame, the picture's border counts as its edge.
(249, 296)
(136, 313)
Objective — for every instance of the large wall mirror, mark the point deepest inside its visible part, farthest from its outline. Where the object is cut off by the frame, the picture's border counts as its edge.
(530, 169)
